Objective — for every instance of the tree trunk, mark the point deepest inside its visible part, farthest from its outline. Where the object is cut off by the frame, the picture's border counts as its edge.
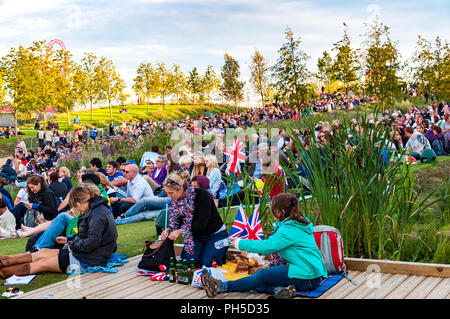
(15, 121)
(92, 118)
(68, 118)
(110, 109)
(45, 119)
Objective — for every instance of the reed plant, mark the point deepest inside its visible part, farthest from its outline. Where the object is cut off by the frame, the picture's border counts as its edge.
(360, 186)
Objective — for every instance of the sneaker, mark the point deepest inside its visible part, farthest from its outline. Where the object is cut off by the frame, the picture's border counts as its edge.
(19, 232)
(285, 292)
(210, 283)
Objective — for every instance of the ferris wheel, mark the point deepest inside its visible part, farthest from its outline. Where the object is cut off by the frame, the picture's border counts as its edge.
(58, 42)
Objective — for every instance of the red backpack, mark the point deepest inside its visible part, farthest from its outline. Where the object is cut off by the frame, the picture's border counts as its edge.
(329, 241)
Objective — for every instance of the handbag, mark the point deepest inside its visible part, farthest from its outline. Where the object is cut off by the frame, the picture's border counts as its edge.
(156, 253)
(31, 217)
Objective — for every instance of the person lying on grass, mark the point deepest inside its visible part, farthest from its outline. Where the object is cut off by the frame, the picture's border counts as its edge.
(297, 262)
(92, 246)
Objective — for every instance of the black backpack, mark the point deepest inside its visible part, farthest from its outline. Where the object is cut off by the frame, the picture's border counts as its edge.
(156, 253)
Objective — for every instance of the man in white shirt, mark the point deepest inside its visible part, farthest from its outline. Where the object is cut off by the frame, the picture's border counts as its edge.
(7, 221)
(137, 188)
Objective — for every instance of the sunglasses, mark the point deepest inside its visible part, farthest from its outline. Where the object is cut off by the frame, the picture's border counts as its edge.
(171, 181)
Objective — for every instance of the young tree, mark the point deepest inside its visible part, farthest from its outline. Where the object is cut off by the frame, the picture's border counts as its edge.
(259, 76)
(345, 65)
(210, 82)
(144, 82)
(194, 84)
(231, 88)
(325, 71)
(19, 73)
(111, 85)
(90, 79)
(65, 82)
(179, 82)
(165, 81)
(432, 67)
(381, 61)
(290, 71)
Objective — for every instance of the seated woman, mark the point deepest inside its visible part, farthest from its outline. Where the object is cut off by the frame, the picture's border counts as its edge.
(3, 191)
(8, 171)
(40, 198)
(300, 267)
(64, 176)
(52, 229)
(194, 215)
(92, 246)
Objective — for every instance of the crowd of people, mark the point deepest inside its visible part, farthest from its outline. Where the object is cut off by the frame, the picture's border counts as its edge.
(180, 188)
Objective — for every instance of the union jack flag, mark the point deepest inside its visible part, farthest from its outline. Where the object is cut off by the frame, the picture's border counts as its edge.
(280, 169)
(247, 228)
(254, 226)
(238, 229)
(236, 156)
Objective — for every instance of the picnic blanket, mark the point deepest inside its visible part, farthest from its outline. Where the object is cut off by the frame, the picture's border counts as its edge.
(115, 261)
(322, 288)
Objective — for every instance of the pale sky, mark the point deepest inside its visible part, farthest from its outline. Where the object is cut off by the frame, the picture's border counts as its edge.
(199, 32)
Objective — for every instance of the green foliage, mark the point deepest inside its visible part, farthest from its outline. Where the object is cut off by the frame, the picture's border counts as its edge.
(381, 61)
(290, 72)
(432, 67)
(194, 84)
(259, 75)
(231, 88)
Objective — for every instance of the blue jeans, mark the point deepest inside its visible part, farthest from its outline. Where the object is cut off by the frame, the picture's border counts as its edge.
(58, 225)
(267, 279)
(437, 147)
(148, 208)
(204, 250)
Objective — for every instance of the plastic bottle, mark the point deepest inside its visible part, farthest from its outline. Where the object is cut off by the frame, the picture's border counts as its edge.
(172, 274)
(223, 243)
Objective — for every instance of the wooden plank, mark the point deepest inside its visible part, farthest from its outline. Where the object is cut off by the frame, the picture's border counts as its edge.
(344, 287)
(425, 287)
(61, 289)
(365, 289)
(395, 267)
(142, 291)
(405, 288)
(386, 287)
(117, 288)
(102, 281)
(440, 291)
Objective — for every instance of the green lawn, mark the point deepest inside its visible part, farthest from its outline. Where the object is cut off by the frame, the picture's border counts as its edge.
(130, 242)
(102, 118)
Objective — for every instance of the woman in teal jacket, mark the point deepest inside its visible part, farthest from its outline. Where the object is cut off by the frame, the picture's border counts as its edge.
(301, 266)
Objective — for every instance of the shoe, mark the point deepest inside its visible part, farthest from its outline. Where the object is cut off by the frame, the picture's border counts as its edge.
(285, 292)
(6, 261)
(210, 283)
(19, 232)
(18, 270)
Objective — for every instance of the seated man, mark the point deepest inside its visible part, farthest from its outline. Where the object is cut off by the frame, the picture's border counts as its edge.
(416, 144)
(113, 172)
(137, 188)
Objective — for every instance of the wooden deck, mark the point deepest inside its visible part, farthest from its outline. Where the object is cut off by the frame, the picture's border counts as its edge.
(393, 280)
